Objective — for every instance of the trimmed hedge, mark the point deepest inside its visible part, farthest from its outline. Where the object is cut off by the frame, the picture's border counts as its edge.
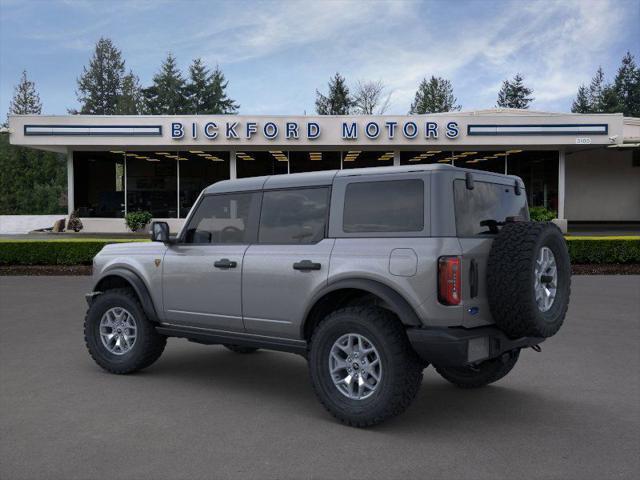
(80, 251)
(604, 249)
(72, 251)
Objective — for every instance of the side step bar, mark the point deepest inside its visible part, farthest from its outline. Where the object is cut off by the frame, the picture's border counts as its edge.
(216, 337)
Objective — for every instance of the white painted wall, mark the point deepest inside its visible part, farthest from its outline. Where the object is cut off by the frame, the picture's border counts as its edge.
(12, 224)
(602, 185)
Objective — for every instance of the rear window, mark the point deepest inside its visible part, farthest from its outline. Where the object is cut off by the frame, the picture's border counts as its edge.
(487, 201)
(387, 206)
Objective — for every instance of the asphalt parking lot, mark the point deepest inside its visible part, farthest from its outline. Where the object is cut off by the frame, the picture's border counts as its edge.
(572, 411)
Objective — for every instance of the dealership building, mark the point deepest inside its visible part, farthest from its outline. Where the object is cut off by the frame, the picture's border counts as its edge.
(585, 167)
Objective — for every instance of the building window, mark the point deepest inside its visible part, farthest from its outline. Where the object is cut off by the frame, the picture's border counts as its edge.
(152, 184)
(385, 206)
(295, 216)
(362, 158)
(197, 170)
(539, 171)
(99, 184)
(313, 161)
(259, 163)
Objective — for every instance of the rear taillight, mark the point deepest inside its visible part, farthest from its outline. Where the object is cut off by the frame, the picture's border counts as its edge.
(449, 280)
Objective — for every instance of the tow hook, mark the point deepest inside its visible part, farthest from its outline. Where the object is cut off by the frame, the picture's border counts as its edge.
(536, 348)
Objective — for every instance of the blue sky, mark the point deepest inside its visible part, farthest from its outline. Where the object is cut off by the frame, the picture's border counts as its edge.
(275, 54)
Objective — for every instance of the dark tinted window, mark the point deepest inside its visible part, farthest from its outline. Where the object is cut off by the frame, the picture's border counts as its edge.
(224, 219)
(487, 201)
(294, 216)
(391, 206)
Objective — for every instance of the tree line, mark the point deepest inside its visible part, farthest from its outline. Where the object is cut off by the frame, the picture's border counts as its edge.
(33, 181)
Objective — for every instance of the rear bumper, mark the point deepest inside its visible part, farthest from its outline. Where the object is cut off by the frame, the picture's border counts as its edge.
(457, 347)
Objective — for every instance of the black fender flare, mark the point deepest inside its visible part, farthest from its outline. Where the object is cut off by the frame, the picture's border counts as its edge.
(138, 286)
(397, 303)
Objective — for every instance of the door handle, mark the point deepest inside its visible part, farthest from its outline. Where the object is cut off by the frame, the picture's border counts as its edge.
(306, 265)
(473, 279)
(225, 263)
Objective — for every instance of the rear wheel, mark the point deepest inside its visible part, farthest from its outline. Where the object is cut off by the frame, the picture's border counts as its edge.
(240, 348)
(482, 374)
(362, 366)
(118, 334)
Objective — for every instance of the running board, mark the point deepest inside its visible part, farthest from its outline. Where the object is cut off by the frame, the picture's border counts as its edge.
(216, 337)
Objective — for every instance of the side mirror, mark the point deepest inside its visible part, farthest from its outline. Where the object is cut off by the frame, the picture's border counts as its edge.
(160, 232)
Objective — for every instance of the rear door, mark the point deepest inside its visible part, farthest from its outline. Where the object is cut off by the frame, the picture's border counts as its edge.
(290, 261)
(488, 200)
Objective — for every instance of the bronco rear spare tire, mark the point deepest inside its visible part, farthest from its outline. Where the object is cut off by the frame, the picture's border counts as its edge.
(529, 279)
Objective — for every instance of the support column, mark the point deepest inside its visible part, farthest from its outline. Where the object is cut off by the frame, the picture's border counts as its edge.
(396, 158)
(233, 173)
(71, 204)
(561, 221)
(177, 188)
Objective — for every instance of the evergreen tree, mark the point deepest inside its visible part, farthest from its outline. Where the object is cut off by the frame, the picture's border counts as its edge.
(338, 101)
(581, 104)
(130, 101)
(167, 95)
(218, 100)
(433, 96)
(514, 94)
(596, 91)
(25, 99)
(206, 92)
(627, 86)
(100, 85)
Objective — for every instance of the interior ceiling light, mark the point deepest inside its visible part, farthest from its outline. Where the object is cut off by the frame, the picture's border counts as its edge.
(500, 154)
(196, 151)
(514, 151)
(141, 157)
(434, 151)
(162, 153)
(444, 160)
(152, 160)
(116, 151)
(131, 154)
(470, 153)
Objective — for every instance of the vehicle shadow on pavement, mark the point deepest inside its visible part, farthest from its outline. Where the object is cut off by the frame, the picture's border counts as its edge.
(281, 381)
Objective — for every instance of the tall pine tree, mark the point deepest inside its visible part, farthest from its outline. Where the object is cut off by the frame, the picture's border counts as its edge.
(206, 92)
(100, 85)
(130, 101)
(31, 181)
(338, 100)
(167, 94)
(433, 96)
(627, 86)
(582, 102)
(25, 99)
(514, 94)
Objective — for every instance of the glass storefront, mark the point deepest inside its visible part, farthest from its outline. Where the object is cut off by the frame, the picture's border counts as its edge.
(538, 169)
(167, 183)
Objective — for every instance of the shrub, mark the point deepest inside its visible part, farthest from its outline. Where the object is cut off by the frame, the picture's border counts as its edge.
(52, 252)
(75, 223)
(604, 249)
(137, 220)
(542, 214)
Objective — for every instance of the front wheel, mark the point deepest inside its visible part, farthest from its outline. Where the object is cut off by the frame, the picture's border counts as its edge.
(362, 367)
(483, 374)
(118, 334)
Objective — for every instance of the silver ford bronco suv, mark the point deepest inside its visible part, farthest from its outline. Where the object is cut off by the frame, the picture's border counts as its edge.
(371, 274)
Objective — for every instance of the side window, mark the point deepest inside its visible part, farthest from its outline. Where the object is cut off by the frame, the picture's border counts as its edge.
(296, 216)
(487, 201)
(220, 219)
(384, 206)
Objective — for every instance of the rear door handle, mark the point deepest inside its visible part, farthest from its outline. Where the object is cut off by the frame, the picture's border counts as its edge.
(306, 265)
(225, 263)
(473, 279)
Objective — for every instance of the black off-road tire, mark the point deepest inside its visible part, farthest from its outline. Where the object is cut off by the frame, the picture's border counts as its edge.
(148, 346)
(510, 279)
(240, 348)
(480, 375)
(401, 368)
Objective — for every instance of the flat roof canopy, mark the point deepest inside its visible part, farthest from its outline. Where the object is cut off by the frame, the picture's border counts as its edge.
(496, 127)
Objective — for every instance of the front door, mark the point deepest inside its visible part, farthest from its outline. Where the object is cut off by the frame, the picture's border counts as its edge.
(202, 273)
(289, 263)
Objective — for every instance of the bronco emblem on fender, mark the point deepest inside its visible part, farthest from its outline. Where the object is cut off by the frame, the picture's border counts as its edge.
(157, 262)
